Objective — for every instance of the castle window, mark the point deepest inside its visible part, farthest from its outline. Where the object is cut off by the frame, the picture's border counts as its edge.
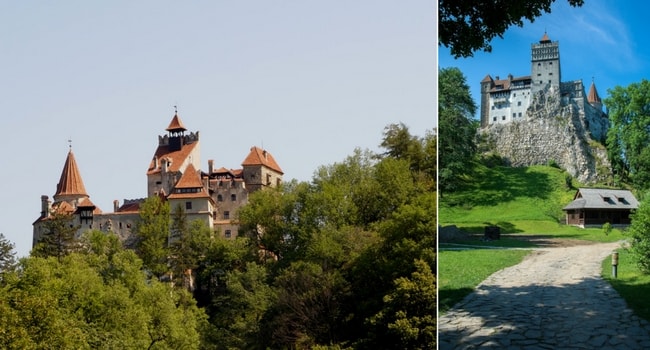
(514, 95)
(519, 103)
(551, 73)
(233, 197)
(494, 119)
(539, 74)
(219, 198)
(226, 215)
(503, 117)
(228, 233)
(188, 205)
(519, 114)
(492, 107)
(514, 115)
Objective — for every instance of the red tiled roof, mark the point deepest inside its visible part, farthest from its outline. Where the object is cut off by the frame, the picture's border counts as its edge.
(177, 157)
(258, 156)
(189, 180)
(130, 207)
(504, 84)
(544, 38)
(593, 94)
(176, 124)
(87, 203)
(487, 78)
(70, 182)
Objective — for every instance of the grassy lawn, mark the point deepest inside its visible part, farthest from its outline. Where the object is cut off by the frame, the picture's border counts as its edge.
(459, 272)
(546, 228)
(521, 201)
(631, 284)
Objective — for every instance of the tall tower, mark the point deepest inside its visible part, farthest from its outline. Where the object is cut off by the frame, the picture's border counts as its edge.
(486, 85)
(545, 64)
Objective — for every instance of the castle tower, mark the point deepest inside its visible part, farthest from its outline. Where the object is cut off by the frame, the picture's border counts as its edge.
(261, 170)
(593, 98)
(486, 84)
(70, 187)
(70, 198)
(174, 153)
(545, 64)
(193, 198)
(176, 131)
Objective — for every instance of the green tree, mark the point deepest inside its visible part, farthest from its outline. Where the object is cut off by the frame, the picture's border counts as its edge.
(152, 233)
(467, 26)
(307, 312)
(408, 318)
(7, 256)
(59, 237)
(628, 138)
(188, 247)
(639, 232)
(240, 308)
(98, 299)
(456, 143)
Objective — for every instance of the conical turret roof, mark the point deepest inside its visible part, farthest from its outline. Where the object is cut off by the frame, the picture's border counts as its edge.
(176, 124)
(593, 97)
(70, 183)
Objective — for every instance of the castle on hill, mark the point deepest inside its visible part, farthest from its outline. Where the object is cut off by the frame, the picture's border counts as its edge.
(174, 175)
(540, 119)
(507, 100)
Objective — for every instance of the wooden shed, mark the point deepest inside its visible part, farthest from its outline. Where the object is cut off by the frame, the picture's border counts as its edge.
(593, 207)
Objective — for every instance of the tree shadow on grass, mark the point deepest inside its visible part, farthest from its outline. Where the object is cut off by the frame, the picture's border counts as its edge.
(491, 187)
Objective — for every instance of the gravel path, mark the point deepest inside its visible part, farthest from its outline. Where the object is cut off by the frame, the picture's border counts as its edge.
(554, 299)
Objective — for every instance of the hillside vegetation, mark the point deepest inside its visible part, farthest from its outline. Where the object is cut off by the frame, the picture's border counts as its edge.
(519, 200)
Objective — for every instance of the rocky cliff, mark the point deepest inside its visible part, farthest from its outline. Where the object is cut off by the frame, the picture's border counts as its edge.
(558, 129)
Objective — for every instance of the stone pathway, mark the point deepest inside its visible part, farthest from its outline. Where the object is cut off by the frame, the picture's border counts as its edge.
(554, 299)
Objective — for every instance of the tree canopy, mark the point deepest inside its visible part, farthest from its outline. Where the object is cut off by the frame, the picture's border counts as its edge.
(456, 144)
(628, 139)
(466, 26)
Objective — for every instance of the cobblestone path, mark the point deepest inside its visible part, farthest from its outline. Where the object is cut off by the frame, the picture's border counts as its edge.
(554, 299)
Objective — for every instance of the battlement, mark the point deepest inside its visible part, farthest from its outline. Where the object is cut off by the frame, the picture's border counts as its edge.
(163, 140)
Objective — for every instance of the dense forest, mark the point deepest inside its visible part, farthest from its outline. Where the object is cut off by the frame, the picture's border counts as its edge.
(344, 261)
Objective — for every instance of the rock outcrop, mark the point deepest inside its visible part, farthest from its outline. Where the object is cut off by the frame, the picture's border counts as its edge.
(558, 129)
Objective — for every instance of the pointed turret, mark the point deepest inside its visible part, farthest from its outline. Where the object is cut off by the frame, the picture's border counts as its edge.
(70, 186)
(176, 133)
(593, 98)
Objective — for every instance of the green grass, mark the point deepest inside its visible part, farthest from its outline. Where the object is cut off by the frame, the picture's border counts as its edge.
(459, 272)
(631, 284)
(504, 194)
(527, 200)
(521, 201)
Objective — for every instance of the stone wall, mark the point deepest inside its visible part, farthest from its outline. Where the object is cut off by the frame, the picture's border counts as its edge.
(558, 128)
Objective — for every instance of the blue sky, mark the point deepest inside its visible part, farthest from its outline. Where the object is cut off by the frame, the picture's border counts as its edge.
(308, 81)
(606, 41)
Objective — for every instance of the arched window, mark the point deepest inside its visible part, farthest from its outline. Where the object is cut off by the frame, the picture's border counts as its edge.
(233, 197)
(219, 198)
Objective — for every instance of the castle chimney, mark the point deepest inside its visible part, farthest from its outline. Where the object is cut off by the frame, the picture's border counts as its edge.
(497, 77)
(116, 205)
(45, 206)
(210, 166)
(510, 77)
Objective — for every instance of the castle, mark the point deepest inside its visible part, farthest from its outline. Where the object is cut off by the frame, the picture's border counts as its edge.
(507, 100)
(541, 120)
(174, 175)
